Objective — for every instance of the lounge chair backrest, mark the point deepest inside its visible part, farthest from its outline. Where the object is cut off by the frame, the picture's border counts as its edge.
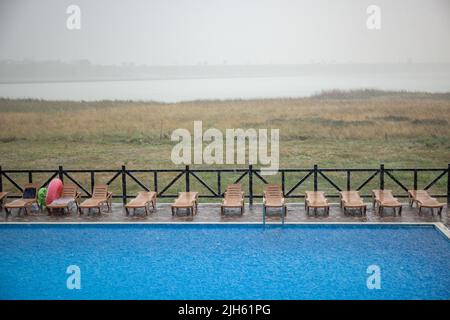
(143, 194)
(69, 191)
(350, 195)
(419, 192)
(274, 191)
(100, 191)
(273, 195)
(383, 194)
(30, 191)
(235, 186)
(189, 196)
(272, 187)
(315, 195)
(233, 195)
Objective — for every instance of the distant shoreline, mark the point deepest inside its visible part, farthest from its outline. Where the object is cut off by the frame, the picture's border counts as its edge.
(334, 94)
(31, 72)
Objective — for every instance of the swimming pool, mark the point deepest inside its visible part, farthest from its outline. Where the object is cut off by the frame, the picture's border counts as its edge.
(182, 261)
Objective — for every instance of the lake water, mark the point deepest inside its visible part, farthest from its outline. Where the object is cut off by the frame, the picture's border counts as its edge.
(176, 90)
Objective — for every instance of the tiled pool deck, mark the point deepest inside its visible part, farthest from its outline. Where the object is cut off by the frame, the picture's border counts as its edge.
(210, 213)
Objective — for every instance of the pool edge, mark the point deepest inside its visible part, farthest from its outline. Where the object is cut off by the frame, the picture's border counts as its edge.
(439, 226)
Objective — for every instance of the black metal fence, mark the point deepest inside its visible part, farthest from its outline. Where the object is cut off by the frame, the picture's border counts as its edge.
(250, 175)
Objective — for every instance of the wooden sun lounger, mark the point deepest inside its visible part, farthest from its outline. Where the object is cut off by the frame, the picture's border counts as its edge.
(233, 198)
(273, 198)
(316, 200)
(423, 200)
(69, 196)
(352, 200)
(3, 198)
(100, 197)
(29, 197)
(415, 195)
(186, 200)
(384, 199)
(143, 200)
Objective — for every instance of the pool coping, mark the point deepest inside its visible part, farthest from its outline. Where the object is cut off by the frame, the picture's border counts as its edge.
(438, 225)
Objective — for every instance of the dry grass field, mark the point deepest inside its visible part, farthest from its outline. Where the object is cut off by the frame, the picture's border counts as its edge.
(334, 129)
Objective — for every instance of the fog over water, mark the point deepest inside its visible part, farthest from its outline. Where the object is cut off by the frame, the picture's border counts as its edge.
(173, 50)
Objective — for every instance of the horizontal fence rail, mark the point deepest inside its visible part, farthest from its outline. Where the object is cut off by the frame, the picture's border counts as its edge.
(251, 176)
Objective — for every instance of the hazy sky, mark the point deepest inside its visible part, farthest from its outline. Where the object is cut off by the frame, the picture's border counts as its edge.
(180, 32)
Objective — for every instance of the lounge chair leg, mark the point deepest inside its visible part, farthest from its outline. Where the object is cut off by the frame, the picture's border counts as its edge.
(420, 210)
(127, 212)
(400, 211)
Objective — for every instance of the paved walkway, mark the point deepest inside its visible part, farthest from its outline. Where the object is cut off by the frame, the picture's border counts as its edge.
(210, 212)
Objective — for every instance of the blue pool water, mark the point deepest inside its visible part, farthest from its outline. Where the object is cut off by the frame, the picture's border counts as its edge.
(223, 261)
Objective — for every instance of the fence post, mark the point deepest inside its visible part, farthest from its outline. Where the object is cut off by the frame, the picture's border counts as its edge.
(250, 185)
(155, 181)
(60, 173)
(1, 179)
(188, 183)
(382, 176)
(448, 184)
(124, 186)
(92, 181)
(349, 180)
(415, 179)
(283, 183)
(219, 183)
(315, 178)
(30, 177)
